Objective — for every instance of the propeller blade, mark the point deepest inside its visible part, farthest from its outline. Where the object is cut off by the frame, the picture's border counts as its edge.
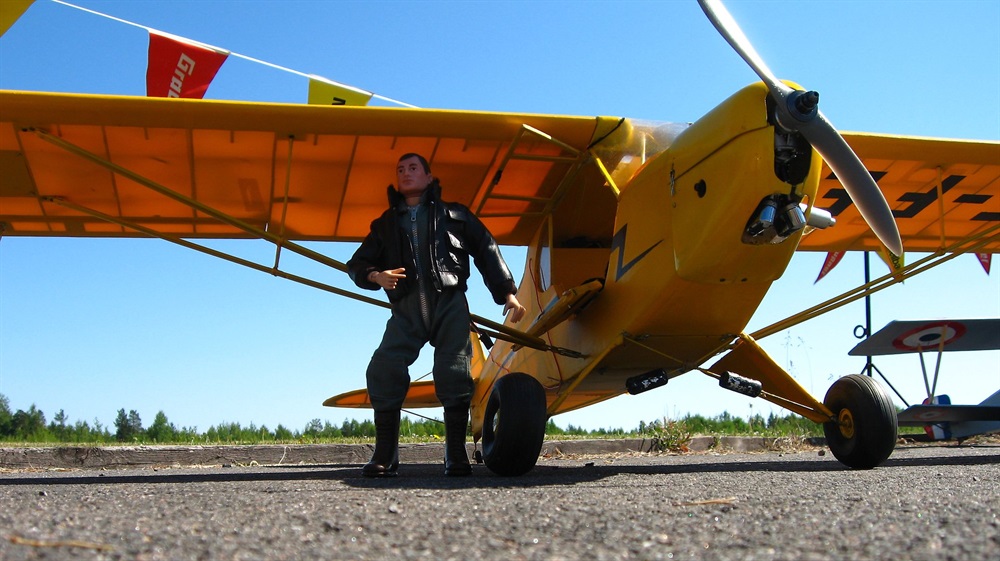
(797, 110)
(730, 30)
(856, 179)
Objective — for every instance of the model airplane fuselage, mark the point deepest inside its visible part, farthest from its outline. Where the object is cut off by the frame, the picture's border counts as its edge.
(681, 274)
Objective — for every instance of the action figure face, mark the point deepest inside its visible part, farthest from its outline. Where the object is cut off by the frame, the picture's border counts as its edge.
(411, 177)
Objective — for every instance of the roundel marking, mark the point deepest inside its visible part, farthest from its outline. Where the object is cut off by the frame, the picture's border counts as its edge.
(929, 336)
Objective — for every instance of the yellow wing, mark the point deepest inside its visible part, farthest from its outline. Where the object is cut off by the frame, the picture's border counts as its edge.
(298, 172)
(913, 173)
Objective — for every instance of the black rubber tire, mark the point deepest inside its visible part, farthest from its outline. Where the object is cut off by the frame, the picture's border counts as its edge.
(514, 425)
(865, 430)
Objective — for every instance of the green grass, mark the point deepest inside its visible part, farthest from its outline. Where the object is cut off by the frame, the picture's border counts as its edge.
(30, 428)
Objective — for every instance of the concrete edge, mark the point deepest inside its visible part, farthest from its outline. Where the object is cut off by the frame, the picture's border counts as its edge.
(115, 457)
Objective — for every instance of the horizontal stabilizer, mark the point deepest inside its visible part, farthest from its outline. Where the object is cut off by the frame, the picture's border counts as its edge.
(920, 415)
(420, 395)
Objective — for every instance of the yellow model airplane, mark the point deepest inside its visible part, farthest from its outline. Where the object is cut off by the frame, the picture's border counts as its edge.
(649, 246)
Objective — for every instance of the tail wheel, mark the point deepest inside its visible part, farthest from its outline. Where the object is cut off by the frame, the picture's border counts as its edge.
(864, 431)
(514, 425)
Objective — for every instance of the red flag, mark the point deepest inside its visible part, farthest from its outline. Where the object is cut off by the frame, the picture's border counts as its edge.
(180, 68)
(831, 261)
(985, 259)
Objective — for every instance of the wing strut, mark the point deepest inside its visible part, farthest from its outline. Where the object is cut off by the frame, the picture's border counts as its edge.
(284, 206)
(970, 244)
(499, 331)
(216, 253)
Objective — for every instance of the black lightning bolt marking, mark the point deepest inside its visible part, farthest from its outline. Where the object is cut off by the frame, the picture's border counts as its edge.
(618, 242)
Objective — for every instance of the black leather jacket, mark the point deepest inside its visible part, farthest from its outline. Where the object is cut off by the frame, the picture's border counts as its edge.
(456, 233)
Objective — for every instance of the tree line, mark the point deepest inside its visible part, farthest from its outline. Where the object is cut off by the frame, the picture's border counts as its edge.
(31, 427)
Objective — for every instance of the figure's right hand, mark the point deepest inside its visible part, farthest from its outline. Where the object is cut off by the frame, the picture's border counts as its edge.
(390, 278)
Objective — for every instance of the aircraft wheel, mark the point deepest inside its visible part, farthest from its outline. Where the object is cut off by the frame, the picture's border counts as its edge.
(514, 425)
(865, 430)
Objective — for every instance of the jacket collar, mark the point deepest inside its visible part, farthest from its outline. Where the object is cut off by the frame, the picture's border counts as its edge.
(432, 193)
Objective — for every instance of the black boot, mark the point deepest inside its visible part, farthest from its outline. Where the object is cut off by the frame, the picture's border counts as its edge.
(385, 459)
(456, 459)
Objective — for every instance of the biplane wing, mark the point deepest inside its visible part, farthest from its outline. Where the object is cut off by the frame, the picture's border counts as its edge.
(941, 418)
(88, 166)
(941, 192)
(912, 336)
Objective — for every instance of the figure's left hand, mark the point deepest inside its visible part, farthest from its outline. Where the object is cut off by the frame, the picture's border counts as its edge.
(514, 307)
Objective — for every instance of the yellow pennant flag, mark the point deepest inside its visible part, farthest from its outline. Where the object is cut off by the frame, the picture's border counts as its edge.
(895, 262)
(327, 92)
(10, 10)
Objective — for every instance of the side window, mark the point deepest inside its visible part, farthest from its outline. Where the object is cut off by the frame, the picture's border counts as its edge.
(563, 264)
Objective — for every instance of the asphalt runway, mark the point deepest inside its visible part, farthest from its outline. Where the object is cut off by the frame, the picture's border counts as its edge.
(926, 502)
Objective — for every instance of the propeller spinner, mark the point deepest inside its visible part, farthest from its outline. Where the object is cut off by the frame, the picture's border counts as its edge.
(798, 110)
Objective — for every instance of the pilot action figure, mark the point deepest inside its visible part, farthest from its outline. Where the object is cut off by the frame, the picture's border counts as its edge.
(418, 251)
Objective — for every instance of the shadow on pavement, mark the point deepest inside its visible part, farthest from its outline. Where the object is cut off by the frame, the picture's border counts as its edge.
(430, 475)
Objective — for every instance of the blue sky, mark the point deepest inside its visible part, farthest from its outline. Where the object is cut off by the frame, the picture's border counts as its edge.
(93, 326)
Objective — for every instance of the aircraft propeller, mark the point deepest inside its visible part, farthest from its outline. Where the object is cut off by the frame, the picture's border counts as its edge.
(797, 110)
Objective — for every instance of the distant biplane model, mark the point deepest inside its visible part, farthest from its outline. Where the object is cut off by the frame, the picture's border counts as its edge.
(941, 419)
(649, 246)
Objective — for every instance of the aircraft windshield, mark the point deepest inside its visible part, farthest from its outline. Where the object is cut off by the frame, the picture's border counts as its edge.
(639, 140)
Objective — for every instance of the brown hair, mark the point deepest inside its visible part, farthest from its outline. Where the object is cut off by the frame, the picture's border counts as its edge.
(423, 161)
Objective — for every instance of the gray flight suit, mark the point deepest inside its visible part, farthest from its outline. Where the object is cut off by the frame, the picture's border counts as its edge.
(423, 316)
(435, 244)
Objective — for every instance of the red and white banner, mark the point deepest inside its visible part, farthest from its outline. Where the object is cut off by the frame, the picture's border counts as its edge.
(985, 260)
(831, 261)
(180, 68)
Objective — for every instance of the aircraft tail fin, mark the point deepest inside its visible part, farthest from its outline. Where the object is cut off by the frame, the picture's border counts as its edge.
(938, 431)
